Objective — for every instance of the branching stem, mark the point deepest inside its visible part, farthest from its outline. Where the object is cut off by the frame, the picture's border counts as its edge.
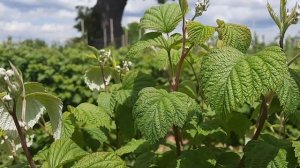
(294, 59)
(22, 136)
(175, 82)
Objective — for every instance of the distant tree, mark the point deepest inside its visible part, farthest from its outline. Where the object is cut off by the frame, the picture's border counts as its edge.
(96, 20)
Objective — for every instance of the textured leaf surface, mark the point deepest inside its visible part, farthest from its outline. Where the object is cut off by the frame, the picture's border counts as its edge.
(92, 115)
(231, 78)
(296, 145)
(163, 18)
(273, 153)
(105, 100)
(94, 78)
(289, 95)
(238, 123)
(236, 36)
(68, 126)
(161, 61)
(154, 39)
(144, 160)
(157, 110)
(197, 158)
(100, 159)
(6, 121)
(63, 151)
(198, 33)
(38, 103)
(129, 147)
(132, 83)
(96, 134)
(31, 87)
(227, 159)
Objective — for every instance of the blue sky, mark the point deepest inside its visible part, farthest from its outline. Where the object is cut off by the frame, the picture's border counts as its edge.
(53, 20)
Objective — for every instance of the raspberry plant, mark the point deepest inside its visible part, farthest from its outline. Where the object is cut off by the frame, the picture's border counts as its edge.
(231, 114)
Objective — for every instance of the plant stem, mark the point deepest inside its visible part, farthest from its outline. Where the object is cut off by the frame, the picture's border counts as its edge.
(194, 73)
(281, 42)
(177, 139)
(21, 133)
(179, 67)
(267, 100)
(175, 82)
(294, 59)
(102, 75)
(282, 125)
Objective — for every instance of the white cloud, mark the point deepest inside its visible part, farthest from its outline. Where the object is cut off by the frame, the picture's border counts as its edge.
(14, 26)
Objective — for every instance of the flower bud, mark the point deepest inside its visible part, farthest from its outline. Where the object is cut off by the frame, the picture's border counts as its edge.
(7, 98)
(201, 6)
(10, 73)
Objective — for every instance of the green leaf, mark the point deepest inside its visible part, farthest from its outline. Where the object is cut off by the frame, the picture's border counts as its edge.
(125, 122)
(154, 39)
(161, 61)
(238, 123)
(197, 158)
(236, 36)
(274, 15)
(105, 101)
(156, 111)
(37, 103)
(132, 83)
(2, 133)
(61, 152)
(42, 155)
(280, 160)
(198, 33)
(230, 78)
(163, 18)
(289, 95)
(100, 159)
(94, 78)
(296, 145)
(32, 87)
(273, 153)
(129, 147)
(144, 160)
(166, 159)
(68, 125)
(6, 121)
(184, 6)
(188, 87)
(205, 128)
(136, 80)
(92, 115)
(96, 133)
(227, 160)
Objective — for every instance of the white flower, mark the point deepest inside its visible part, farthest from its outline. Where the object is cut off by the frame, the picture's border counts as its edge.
(126, 65)
(201, 6)
(2, 72)
(6, 78)
(7, 98)
(105, 53)
(10, 73)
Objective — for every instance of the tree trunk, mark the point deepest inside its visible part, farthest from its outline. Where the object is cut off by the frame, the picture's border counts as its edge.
(109, 9)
